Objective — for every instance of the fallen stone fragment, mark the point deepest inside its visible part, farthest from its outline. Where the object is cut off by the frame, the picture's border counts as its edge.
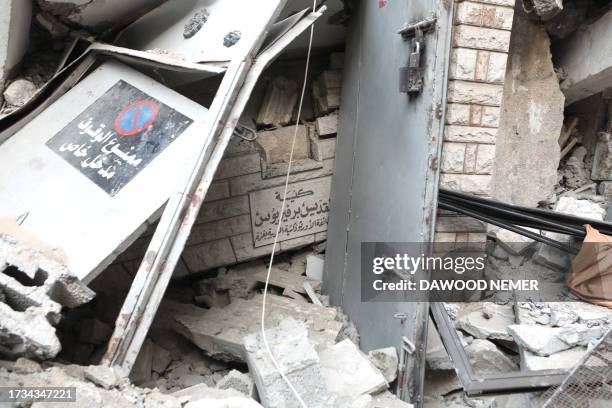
(563, 360)
(348, 373)
(220, 332)
(314, 267)
(486, 320)
(282, 279)
(279, 102)
(580, 335)
(295, 355)
(241, 382)
(514, 243)
(486, 358)
(232, 402)
(27, 334)
(327, 126)
(547, 9)
(103, 376)
(203, 391)
(386, 360)
(26, 366)
(388, 400)
(540, 340)
(19, 92)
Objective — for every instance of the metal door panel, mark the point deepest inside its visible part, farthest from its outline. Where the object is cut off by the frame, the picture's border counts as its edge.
(386, 161)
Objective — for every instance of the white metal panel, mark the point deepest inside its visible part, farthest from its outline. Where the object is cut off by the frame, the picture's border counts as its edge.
(162, 29)
(67, 209)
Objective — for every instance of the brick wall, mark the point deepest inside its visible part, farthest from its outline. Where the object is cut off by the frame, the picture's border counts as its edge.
(481, 37)
(222, 233)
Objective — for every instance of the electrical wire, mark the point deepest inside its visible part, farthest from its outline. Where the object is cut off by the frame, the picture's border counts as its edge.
(280, 222)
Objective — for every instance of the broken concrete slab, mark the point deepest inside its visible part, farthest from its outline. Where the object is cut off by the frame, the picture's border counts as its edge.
(241, 382)
(588, 70)
(386, 360)
(486, 358)
(219, 332)
(295, 355)
(279, 102)
(540, 340)
(527, 143)
(486, 320)
(282, 279)
(103, 376)
(348, 373)
(232, 402)
(563, 360)
(203, 391)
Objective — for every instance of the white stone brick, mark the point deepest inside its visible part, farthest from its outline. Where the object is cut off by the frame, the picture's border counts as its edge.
(456, 133)
(244, 249)
(453, 156)
(218, 190)
(459, 223)
(445, 237)
(479, 14)
(469, 165)
(497, 67)
(477, 237)
(457, 114)
(481, 38)
(467, 183)
(485, 159)
(490, 116)
(252, 182)
(463, 63)
(209, 255)
(238, 166)
(476, 93)
(212, 231)
(220, 209)
(327, 147)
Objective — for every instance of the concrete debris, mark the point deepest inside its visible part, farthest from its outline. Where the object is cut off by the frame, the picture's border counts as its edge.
(486, 358)
(241, 382)
(195, 23)
(26, 366)
(563, 360)
(327, 126)
(513, 243)
(200, 392)
(348, 373)
(232, 402)
(486, 320)
(283, 279)
(276, 144)
(540, 340)
(279, 102)
(18, 92)
(295, 355)
(326, 90)
(386, 360)
(103, 376)
(219, 332)
(547, 9)
(231, 38)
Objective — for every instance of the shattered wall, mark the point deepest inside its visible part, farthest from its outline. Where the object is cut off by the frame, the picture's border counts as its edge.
(531, 119)
(478, 64)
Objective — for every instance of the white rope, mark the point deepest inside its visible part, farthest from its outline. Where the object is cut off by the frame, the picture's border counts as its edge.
(280, 222)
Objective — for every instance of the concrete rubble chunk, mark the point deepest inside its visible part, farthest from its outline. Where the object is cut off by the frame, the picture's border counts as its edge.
(540, 340)
(276, 144)
(563, 360)
(486, 320)
(282, 279)
(348, 373)
(202, 391)
(232, 402)
(238, 381)
(514, 243)
(103, 376)
(27, 334)
(279, 102)
(327, 125)
(220, 332)
(295, 355)
(547, 9)
(486, 358)
(18, 92)
(314, 267)
(387, 400)
(386, 360)
(26, 366)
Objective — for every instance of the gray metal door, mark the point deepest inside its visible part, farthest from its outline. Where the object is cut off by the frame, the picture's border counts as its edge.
(385, 175)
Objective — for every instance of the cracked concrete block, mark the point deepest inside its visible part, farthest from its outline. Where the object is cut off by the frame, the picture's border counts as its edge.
(103, 376)
(386, 360)
(238, 381)
(220, 332)
(486, 320)
(540, 340)
(295, 355)
(27, 334)
(563, 360)
(348, 373)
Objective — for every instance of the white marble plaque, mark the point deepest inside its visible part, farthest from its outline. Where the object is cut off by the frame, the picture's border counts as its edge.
(306, 211)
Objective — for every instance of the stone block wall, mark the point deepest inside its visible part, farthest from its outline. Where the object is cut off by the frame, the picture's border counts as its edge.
(481, 38)
(227, 229)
